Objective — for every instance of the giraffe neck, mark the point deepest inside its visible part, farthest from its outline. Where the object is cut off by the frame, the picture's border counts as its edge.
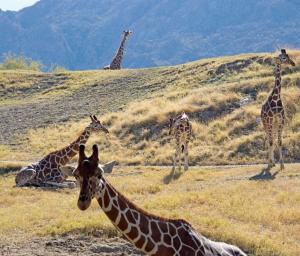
(154, 235)
(135, 224)
(277, 86)
(116, 63)
(70, 151)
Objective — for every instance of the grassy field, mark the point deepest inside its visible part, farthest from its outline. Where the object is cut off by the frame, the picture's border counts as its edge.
(262, 217)
(43, 112)
(223, 96)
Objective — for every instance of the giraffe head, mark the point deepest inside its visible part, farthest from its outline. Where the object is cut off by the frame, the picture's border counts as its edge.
(96, 125)
(284, 58)
(172, 122)
(88, 174)
(127, 33)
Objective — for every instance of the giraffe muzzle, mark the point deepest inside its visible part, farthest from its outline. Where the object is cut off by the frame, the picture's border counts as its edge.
(83, 202)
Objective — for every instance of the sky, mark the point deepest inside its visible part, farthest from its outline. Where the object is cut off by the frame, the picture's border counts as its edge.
(15, 5)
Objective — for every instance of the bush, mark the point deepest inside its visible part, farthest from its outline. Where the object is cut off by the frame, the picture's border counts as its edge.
(13, 62)
(57, 69)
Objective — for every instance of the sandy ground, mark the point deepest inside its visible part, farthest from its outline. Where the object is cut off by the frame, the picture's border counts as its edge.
(71, 245)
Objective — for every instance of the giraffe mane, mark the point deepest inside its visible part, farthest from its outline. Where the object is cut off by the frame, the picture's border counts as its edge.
(144, 212)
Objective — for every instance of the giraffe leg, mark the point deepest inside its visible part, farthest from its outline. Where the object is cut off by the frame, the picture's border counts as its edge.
(186, 157)
(58, 179)
(280, 128)
(268, 124)
(175, 161)
(179, 154)
(271, 152)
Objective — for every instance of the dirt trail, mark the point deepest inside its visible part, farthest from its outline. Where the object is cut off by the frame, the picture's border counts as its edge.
(71, 245)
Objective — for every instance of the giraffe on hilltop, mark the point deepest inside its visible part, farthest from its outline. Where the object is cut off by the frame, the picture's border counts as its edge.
(151, 234)
(272, 112)
(50, 169)
(117, 60)
(180, 128)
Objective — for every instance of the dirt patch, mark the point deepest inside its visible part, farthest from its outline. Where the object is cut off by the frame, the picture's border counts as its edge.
(71, 245)
(94, 97)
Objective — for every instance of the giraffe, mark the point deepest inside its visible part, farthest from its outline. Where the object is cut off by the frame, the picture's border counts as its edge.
(116, 62)
(151, 234)
(49, 170)
(181, 129)
(272, 112)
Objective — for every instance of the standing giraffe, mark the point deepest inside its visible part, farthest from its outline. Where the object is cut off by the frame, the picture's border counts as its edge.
(181, 129)
(272, 112)
(117, 60)
(49, 169)
(151, 234)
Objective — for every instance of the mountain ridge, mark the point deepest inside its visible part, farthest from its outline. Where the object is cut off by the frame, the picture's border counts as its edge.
(85, 34)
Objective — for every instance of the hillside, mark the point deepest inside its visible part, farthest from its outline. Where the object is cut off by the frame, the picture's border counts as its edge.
(223, 96)
(80, 34)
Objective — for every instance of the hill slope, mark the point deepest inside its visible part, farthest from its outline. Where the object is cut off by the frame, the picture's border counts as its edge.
(223, 96)
(80, 34)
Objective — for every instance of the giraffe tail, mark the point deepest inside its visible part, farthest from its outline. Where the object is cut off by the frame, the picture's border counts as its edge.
(182, 148)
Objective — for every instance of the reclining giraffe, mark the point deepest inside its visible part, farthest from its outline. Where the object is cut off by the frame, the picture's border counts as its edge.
(181, 129)
(272, 111)
(117, 60)
(151, 234)
(48, 171)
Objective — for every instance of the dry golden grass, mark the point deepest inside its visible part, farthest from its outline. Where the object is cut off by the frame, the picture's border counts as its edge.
(262, 217)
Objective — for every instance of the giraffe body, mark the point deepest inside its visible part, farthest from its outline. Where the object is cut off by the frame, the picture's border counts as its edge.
(151, 234)
(181, 130)
(272, 112)
(48, 169)
(117, 60)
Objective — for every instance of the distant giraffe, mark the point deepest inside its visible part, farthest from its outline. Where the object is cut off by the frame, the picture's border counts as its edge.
(49, 169)
(117, 60)
(272, 112)
(151, 234)
(181, 129)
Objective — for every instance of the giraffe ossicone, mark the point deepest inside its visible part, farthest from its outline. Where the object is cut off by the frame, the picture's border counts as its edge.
(151, 234)
(52, 170)
(181, 129)
(272, 111)
(117, 60)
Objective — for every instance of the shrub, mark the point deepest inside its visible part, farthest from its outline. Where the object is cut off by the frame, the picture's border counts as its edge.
(13, 62)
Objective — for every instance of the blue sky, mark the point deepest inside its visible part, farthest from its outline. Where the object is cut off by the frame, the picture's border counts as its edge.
(15, 5)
